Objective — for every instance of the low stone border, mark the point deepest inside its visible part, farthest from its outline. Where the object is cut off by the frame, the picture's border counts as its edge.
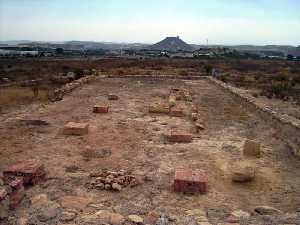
(69, 87)
(200, 77)
(288, 126)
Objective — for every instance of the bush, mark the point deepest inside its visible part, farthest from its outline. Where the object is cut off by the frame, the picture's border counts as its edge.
(208, 69)
(280, 77)
(78, 73)
(183, 73)
(277, 90)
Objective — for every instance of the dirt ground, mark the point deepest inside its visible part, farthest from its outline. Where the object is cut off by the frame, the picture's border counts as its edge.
(137, 144)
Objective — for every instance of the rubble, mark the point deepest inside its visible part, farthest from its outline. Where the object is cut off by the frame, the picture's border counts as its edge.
(112, 181)
(190, 181)
(31, 172)
(72, 128)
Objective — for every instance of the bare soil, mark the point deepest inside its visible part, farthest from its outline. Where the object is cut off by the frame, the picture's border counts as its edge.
(137, 144)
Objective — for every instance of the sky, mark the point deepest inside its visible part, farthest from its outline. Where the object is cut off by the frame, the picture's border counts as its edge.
(228, 22)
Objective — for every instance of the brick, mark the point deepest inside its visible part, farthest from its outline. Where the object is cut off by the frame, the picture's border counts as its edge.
(180, 136)
(176, 112)
(190, 181)
(100, 109)
(30, 171)
(113, 97)
(72, 128)
(159, 108)
(251, 148)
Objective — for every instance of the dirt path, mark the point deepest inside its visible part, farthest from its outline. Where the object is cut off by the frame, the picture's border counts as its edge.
(136, 141)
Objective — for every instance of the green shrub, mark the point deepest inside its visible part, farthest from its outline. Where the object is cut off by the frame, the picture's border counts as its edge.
(78, 73)
(208, 68)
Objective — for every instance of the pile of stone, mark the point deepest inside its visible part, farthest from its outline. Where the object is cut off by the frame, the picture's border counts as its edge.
(111, 181)
(15, 177)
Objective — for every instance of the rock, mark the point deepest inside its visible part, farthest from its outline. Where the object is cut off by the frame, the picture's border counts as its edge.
(194, 116)
(48, 212)
(30, 171)
(22, 221)
(4, 204)
(68, 216)
(75, 202)
(196, 212)
(116, 187)
(267, 210)
(135, 219)
(103, 216)
(251, 148)
(217, 214)
(116, 219)
(243, 172)
(99, 186)
(240, 214)
(39, 200)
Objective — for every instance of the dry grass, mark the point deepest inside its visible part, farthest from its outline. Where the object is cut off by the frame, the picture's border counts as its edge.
(11, 96)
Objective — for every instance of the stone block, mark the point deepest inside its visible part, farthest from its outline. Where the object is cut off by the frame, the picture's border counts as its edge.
(30, 171)
(100, 109)
(243, 172)
(113, 97)
(180, 136)
(190, 181)
(72, 128)
(159, 108)
(251, 148)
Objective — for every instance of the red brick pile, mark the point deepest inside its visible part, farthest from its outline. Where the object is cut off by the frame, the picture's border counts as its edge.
(15, 177)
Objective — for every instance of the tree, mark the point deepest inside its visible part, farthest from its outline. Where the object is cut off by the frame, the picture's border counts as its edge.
(290, 57)
(59, 51)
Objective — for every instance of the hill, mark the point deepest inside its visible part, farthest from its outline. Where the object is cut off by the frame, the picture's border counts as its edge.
(172, 44)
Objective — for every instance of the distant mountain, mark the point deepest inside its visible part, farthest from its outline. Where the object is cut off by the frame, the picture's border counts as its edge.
(172, 44)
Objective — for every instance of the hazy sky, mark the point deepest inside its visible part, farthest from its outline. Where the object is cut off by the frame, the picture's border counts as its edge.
(148, 21)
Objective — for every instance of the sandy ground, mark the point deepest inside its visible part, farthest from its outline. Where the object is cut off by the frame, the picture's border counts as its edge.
(136, 141)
